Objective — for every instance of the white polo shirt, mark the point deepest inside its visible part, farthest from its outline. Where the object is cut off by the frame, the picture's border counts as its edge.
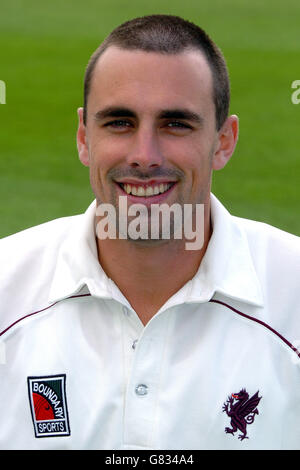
(215, 368)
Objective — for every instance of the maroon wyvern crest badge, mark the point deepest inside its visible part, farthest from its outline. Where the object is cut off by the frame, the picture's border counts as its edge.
(241, 410)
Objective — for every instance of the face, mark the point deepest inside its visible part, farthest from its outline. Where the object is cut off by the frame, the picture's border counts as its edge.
(151, 131)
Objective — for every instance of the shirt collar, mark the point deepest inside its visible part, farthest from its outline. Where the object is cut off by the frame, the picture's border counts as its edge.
(77, 268)
(226, 268)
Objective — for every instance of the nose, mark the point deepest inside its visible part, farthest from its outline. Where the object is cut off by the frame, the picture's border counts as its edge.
(145, 151)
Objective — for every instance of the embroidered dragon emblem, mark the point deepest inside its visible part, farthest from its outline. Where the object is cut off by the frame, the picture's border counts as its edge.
(241, 410)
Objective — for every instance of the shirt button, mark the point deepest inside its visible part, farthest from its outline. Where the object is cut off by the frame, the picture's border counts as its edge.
(134, 344)
(141, 390)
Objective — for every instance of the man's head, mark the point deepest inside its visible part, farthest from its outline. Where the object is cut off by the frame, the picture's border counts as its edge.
(167, 34)
(156, 117)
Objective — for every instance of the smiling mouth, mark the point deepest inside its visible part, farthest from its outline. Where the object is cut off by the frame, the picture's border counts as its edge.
(146, 190)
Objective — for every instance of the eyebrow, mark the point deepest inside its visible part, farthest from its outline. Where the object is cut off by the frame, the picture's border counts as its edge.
(112, 112)
(177, 113)
(185, 114)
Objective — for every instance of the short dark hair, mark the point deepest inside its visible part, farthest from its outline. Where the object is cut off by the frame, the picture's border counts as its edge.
(167, 34)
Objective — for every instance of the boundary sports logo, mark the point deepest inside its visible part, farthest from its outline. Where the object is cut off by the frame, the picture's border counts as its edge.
(47, 398)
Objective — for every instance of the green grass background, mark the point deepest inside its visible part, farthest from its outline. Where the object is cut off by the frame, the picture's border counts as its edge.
(44, 48)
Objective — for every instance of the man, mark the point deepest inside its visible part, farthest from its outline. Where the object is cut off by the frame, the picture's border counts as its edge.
(137, 342)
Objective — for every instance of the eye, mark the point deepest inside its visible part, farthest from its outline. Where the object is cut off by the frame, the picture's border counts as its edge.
(178, 127)
(177, 124)
(118, 124)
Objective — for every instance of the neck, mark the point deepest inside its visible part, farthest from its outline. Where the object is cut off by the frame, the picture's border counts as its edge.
(148, 274)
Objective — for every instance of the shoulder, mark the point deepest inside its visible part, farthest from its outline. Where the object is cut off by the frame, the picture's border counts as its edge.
(276, 257)
(28, 243)
(27, 263)
(269, 240)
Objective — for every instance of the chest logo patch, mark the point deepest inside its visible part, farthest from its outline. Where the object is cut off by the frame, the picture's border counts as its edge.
(48, 405)
(242, 411)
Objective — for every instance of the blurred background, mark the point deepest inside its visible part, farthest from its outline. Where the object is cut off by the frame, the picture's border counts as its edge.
(44, 49)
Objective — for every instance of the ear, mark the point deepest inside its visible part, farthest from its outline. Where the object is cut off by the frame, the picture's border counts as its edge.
(82, 140)
(227, 139)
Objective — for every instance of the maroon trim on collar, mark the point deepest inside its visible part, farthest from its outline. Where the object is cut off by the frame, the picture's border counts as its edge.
(290, 345)
(39, 311)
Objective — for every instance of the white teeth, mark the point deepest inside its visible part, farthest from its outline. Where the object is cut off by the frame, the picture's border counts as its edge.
(142, 191)
(149, 191)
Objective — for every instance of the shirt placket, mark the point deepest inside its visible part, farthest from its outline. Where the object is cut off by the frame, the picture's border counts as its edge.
(143, 384)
